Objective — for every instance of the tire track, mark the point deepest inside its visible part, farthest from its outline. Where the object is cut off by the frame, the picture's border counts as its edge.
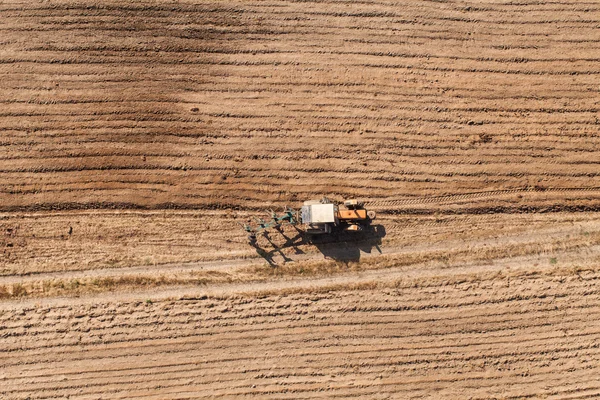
(476, 195)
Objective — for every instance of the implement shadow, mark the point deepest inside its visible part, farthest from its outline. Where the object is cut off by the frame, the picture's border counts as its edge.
(294, 241)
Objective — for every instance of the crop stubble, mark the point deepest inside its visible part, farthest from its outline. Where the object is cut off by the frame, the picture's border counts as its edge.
(135, 136)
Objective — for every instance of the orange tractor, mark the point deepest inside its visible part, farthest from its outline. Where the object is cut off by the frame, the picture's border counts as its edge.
(319, 217)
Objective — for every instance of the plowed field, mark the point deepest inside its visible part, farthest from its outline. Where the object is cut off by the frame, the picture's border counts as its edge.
(135, 136)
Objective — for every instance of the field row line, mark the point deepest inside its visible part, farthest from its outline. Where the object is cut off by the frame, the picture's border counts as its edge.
(384, 316)
(474, 195)
(180, 61)
(475, 302)
(400, 386)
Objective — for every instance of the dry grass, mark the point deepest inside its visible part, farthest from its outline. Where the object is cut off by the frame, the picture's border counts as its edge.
(89, 285)
(436, 260)
(439, 258)
(560, 274)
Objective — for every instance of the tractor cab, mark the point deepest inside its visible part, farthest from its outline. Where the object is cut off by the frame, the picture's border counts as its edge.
(319, 216)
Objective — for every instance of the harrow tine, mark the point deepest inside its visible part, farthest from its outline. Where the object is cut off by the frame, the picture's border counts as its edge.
(275, 221)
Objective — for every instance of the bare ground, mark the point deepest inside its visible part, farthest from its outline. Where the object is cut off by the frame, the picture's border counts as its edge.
(135, 138)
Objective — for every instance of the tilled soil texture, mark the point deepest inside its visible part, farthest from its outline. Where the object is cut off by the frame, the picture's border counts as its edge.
(136, 136)
(495, 336)
(246, 104)
(496, 306)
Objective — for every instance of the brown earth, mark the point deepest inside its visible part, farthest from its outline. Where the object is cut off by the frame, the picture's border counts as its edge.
(136, 136)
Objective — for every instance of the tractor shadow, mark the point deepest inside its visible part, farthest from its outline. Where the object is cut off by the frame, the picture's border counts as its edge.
(348, 246)
(337, 246)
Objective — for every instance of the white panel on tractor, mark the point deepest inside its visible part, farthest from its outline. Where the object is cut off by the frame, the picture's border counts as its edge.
(322, 213)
